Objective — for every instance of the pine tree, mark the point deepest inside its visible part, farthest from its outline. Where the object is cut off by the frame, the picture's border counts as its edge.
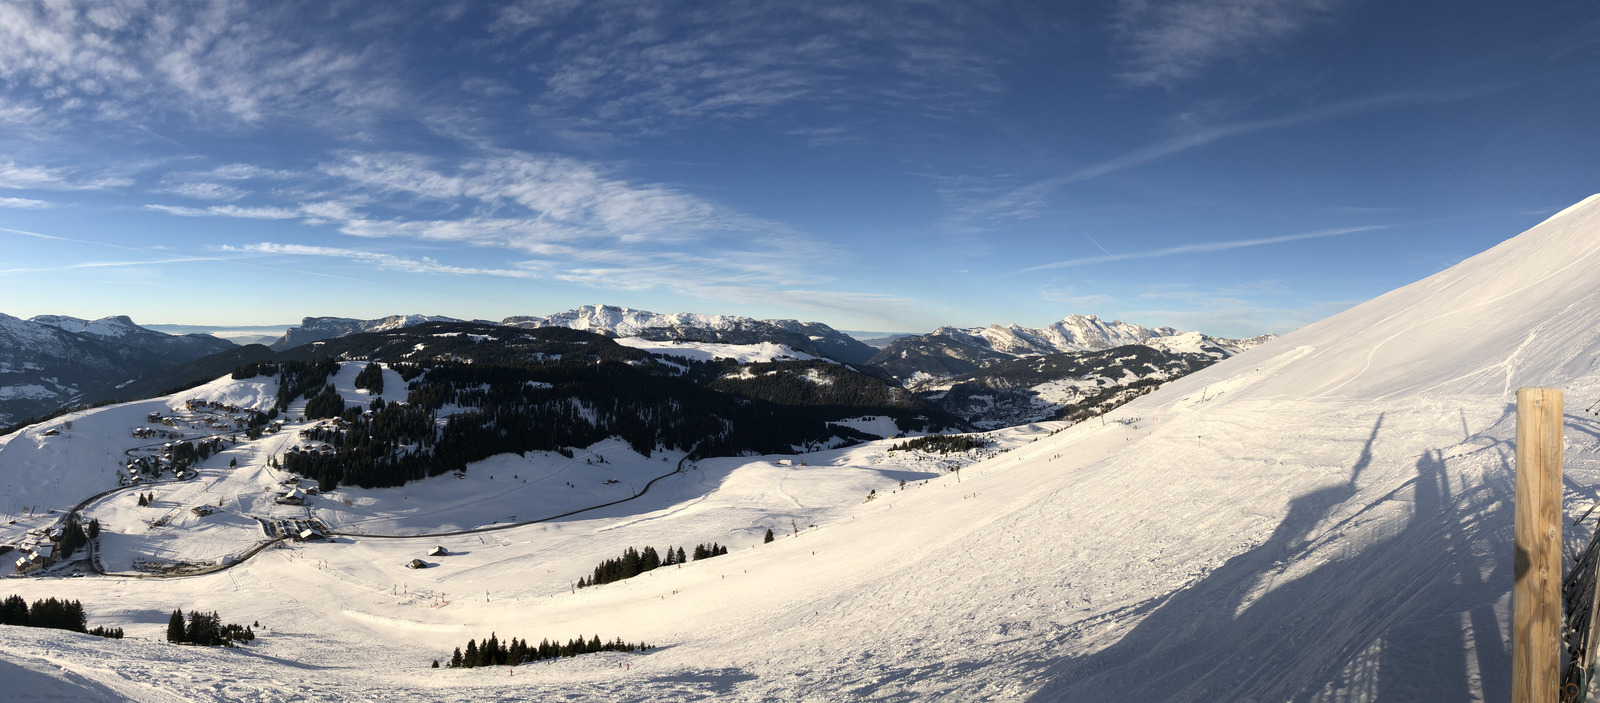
(436, 663)
(14, 611)
(471, 658)
(768, 538)
(175, 631)
(681, 559)
(94, 528)
(204, 628)
(455, 659)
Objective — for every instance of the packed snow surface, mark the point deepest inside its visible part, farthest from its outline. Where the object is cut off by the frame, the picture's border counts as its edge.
(1325, 517)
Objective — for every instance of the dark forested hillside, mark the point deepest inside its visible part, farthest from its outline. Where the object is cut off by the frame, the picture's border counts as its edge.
(500, 390)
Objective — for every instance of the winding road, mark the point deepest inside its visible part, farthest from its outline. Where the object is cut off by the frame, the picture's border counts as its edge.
(94, 562)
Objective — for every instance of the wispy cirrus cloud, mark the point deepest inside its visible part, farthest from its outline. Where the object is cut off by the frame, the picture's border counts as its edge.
(108, 264)
(131, 61)
(25, 204)
(378, 259)
(201, 190)
(567, 220)
(1202, 247)
(523, 199)
(1026, 201)
(1168, 41)
(21, 177)
(613, 66)
(251, 213)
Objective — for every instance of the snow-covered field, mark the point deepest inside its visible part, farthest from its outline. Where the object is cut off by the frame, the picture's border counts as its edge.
(1324, 517)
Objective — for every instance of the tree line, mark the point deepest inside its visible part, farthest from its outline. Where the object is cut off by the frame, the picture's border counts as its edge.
(53, 614)
(493, 652)
(634, 562)
(941, 443)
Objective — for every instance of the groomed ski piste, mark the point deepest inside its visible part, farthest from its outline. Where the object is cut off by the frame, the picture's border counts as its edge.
(1325, 517)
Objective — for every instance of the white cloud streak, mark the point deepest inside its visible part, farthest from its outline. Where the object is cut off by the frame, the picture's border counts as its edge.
(252, 213)
(17, 177)
(25, 204)
(381, 260)
(1201, 248)
(1173, 40)
(1025, 201)
(564, 198)
(107, 264)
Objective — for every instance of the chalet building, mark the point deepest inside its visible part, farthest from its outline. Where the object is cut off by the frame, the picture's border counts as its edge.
(35, 557)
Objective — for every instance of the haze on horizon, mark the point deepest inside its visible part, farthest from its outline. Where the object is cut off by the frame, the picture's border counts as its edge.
(1234, 168)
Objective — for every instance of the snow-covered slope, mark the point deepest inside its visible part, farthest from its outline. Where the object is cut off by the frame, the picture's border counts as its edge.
(1325, 517)
(813, 338)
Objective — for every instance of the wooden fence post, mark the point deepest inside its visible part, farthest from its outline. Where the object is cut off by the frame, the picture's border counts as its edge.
(1536, 566)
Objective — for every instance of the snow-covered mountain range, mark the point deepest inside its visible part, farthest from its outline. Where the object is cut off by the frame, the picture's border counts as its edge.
(948, 352)
(52, 360)
(991, 392)
(316, 329)
(813, 338)
(120, 329)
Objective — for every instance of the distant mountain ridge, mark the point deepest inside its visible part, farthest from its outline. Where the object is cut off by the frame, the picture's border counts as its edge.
(120, 329)
(316, 329)
(54, 360)
(812, 338)
(948, 352)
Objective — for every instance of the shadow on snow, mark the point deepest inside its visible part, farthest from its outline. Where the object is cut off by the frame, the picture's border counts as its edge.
(1398, 619)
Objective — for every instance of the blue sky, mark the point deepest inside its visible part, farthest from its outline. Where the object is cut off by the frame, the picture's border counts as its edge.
(1238, 167)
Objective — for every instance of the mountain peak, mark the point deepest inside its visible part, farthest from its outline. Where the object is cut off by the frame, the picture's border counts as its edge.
(109, 327)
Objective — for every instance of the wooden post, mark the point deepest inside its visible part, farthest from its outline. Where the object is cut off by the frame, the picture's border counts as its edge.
(1593, 640)
(1536, 561)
